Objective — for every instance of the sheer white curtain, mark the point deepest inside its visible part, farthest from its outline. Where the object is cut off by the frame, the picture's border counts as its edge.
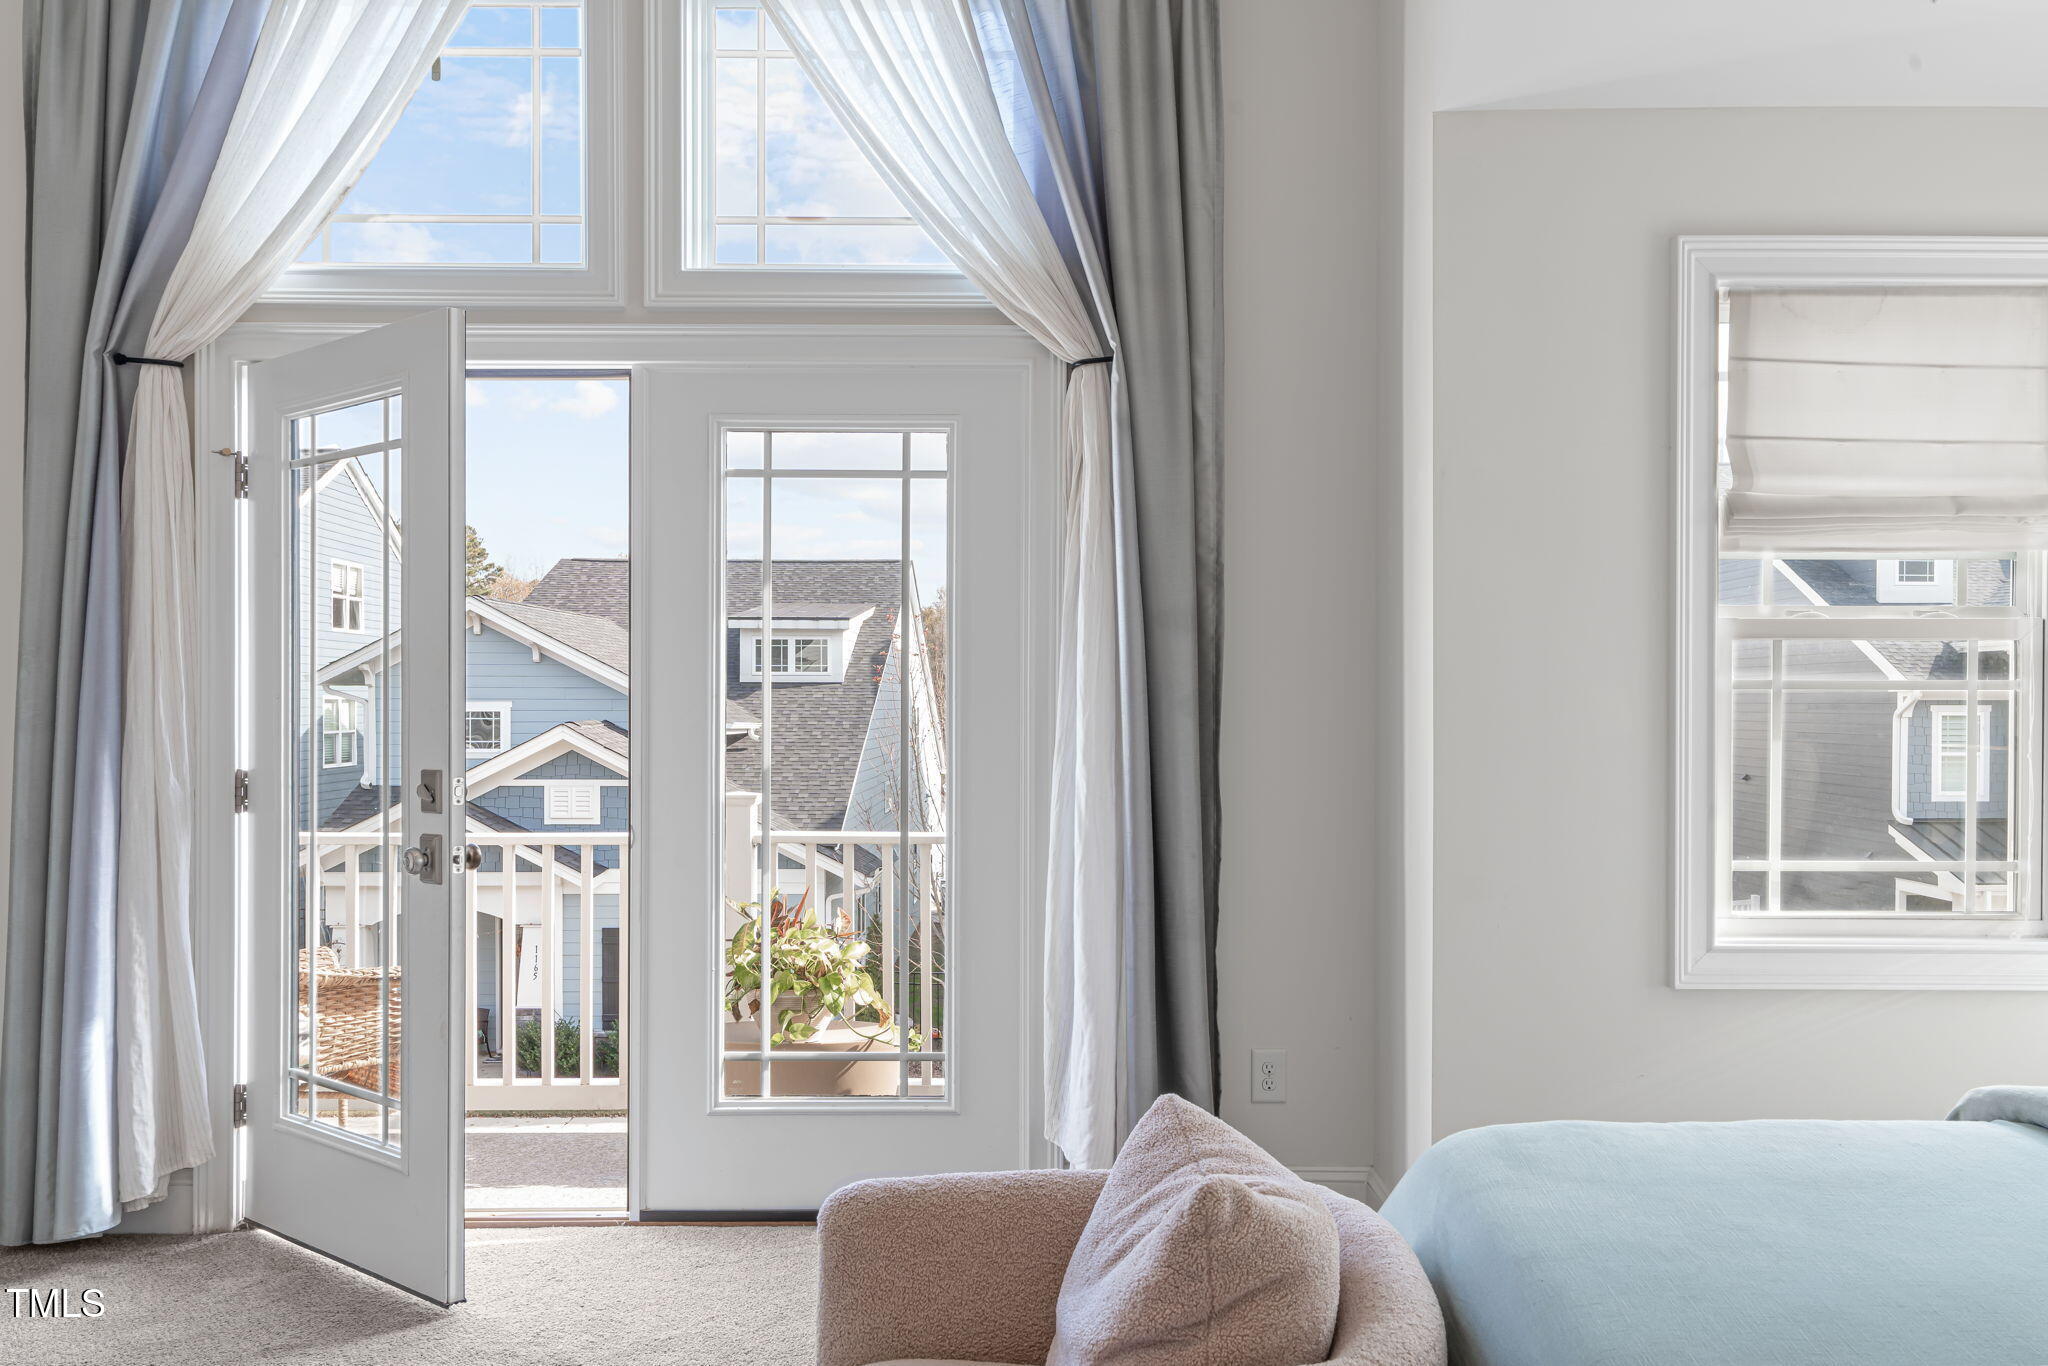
(327, 80)
(908, 80)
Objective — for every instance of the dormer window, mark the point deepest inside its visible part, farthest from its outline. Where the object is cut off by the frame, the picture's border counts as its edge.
(1910, 581)
(796, 654)
(808, 643)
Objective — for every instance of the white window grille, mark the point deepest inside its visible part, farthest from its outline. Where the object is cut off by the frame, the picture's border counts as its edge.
(487, 729)
(341, 727)
(345, 596)
(787, 188)
(796, 655)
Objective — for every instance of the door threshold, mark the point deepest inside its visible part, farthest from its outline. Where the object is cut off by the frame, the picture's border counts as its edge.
(544, 1218)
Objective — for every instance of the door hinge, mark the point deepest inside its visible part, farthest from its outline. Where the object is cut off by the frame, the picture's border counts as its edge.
(241, 1103)
(241, 791)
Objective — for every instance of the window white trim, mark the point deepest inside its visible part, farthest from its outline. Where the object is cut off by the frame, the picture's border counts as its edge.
(678, 181)
(503, 711)
(1916, 580)
(341, 731)
(1940, 749)
(345, 611)
(597, 281)
(572, 801)
(836, 638)
(1708, 949)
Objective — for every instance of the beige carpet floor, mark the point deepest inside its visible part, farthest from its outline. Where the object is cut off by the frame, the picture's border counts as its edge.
(558, 1296)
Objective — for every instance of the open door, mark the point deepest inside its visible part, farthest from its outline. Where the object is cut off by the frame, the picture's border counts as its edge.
(355, 485)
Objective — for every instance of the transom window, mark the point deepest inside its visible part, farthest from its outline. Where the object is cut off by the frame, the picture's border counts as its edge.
(341, 727)
(786, 186)
(486, 728)
(485, 167)
(796, 655)
(345, 596)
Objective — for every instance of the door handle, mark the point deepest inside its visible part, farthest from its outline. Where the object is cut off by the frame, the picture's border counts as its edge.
(472, 858)
(423, 860)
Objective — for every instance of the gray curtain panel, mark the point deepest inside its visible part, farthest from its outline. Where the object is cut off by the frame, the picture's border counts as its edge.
(1125, 149)
(127, 104)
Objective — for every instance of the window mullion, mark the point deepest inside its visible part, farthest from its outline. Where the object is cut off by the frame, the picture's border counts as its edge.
(1774, 848)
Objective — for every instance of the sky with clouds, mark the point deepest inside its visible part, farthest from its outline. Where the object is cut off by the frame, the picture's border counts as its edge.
(465, 145)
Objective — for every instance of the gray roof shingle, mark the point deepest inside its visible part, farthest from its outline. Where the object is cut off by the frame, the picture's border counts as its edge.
(821, 727)
(597, 586)
(598, 636)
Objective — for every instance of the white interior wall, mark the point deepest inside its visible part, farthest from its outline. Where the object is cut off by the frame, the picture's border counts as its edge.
(1553, 612)
(1305, 512)
(1613, 54)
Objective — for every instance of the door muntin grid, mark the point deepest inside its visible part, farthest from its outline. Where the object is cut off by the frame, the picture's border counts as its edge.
(343, 1025)
(868, 878)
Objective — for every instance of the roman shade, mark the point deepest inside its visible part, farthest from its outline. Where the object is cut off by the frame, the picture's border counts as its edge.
(1887, 419)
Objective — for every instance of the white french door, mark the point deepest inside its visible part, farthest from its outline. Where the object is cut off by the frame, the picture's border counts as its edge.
(834, 685)
(355, 491)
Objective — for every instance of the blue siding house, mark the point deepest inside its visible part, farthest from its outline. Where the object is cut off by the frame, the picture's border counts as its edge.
(548, 759)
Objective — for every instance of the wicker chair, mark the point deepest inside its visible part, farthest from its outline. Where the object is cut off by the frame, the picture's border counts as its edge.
(346, 1043)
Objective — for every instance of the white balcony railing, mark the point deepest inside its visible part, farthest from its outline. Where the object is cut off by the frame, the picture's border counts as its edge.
(547, 942)
(814, 864)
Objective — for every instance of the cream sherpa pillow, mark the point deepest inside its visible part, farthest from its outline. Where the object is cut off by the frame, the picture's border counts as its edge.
(1202, 1251)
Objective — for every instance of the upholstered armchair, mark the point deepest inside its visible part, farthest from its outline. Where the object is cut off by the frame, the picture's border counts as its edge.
(943, 1269)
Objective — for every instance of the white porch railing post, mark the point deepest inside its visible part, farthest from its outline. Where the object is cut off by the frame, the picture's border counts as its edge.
(508, 967)
(625, 974)
(471, 937)
(586, 1000)
(742, 863)
(552, 915)
(352, 884)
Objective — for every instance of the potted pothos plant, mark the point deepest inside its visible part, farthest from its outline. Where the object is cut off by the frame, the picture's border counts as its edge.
(820, 973)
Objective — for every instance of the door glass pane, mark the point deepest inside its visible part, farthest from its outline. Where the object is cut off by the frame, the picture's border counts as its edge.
(834, 677)
(344, 1036)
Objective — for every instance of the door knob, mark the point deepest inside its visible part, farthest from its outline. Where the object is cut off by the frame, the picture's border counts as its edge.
(423, 860)
(472, 858)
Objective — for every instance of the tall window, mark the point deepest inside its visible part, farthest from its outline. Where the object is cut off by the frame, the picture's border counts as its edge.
(787, 186)
(1874, 485)
(345, 596)
(1950, 762)
(341, 731)
(485, 167)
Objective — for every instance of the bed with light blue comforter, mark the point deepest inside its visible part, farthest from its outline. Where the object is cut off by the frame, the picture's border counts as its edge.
(1771, 1242)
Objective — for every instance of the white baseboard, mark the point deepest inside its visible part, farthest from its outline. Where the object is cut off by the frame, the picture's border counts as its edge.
(172, 1214)
(1360, 1183)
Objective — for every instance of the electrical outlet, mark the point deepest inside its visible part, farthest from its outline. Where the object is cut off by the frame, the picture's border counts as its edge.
(1269, 1074)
